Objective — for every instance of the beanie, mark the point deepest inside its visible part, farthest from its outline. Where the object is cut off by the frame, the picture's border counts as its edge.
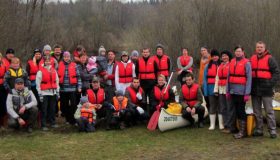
(119, 93)
(83, 100)
(227, 53)
(134, 53)
(10, 50)
(124, 53)
(47, 48)
(159, 46)
(37, 51)
(101, 49)
(66, 53)
(215, 53)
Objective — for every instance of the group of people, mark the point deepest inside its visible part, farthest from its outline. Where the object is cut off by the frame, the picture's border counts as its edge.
(91, 89)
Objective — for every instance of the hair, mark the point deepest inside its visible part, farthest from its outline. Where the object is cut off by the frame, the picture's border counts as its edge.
(238, 46)
(15, 60)
(261, 42)
(34, 58)
(57, 46)
(190, 75)
(80, 48)
(135, 78)
(145, 48)
(1, 61)
(82, 54)
(185, 48)
(161, 75)
(114, 52)
(211, 62)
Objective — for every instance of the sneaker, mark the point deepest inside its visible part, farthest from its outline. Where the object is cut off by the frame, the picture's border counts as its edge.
(54, 126)
(45, 129)
(272, 136)
(29, 130)
(257, 134)
(200, 125)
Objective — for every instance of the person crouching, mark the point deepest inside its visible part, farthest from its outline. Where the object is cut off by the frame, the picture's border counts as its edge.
(85, 116)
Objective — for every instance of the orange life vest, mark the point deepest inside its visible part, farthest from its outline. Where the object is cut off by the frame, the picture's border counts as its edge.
(116, 104)
(93, 99)
(190, 95)
(2, 73)
(34, 69)
(132, 93)
(48, 79)
(222, 73)
(211, 74)
(260, 67)
(162, 65)
(7, 63)
(71, 72)
(87, 112)
(237, 73)
(185, 61)
(146, 70)
(159, 93)
(52, 61)
(125, 73)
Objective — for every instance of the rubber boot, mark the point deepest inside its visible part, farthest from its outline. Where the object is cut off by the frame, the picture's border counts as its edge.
(221, 123)
(243, 130)
(212, 121)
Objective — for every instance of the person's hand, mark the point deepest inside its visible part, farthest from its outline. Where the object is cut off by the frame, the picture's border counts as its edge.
(41, 98)
(110, 106)
(188, 109)
(84, 118)
(122, 111)
(99, 106)
(79, 90)
(140, 110)
(179, 72)
(193, 111)
(22, 109)
(161, 104)
(21, 121)
(139, 96)
(105, 77)
(190, 71)
(246, 98)
(158, 107)
(227, 96)
(216, 94)
(57, 96)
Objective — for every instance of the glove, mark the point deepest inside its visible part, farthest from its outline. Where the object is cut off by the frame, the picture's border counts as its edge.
(246, 98)
(84, 118)
(161, 104)
(41, 98)
(158, 107)
(140, 110)
(110, 106)
(227, 96)
(139, 96)
(122, 111)
(57, 97)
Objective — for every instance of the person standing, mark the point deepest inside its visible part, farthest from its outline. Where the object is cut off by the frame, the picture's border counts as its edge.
(47, 52)
(239, 82)
(3, 92)
(265, 73)
(134, 57)
(57, 53)
(164, 64)
(184, 64)
(10, 54)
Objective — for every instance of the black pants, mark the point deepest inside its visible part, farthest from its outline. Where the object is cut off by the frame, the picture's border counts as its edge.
(148, 94)
(68, 110)
(48, 110)
(188, 116)
(239, 104)
(110, 90)
(181, 76)
(126, 117)
(29, 114)
(138, 117)
(3, 98)
(85, 126)
(104, 112)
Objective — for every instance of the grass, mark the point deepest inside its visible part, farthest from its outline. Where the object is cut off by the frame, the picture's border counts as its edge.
(135, 143)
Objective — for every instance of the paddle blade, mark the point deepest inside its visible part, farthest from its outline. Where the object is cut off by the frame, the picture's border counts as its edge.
(152, 125)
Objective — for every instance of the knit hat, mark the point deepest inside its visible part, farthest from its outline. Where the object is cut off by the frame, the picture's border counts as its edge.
(66, 53)
(83, 100)
(215, 53)
(124, 53)
(19, 80)
(119, 93)
(37, 51)
(159, 46)
(10, 50)
(47, 48)
(134, 53)
(227, 53)
(101, 49)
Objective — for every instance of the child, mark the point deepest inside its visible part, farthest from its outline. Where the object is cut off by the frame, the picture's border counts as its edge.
(101, 60)
(85, 116)
(92, 66)
(80, 49)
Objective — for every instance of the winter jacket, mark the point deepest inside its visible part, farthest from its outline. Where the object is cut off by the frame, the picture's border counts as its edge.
(86, 77)
(202, 67)
(131, 91)
(154, 102)
(101, 63)
(122, 86)
(199, 97)
(9, 78)
(208, 87)
(47, 92)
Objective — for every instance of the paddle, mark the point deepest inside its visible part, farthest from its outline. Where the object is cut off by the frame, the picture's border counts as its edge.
(152, 125)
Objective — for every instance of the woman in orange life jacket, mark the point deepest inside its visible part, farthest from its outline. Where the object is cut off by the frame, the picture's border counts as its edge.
(32, 68)
(47, 85)
(157, 94)
(210, 72)
(227, 116)
(3, 92)
(238, 87)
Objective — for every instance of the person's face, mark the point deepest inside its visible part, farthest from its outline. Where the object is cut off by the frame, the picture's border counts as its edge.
(134, 57)
(103, 53)
(260, 48)
(15, 65)
(225, 58)
(204, 52)
(95, 85)
(86, 104)
(57, 51)
(135, 83)
(185, 52)
(146, 53)
(66, 58)
(159, 51)
(10, 56)
(120, 98)
(215, 58)
(47, 52)
(161, 81)
(83, 59)
(189, 81)
(19, 86)
(238, 52)
(111, 56)
(38, 55)
(48, 62)
(81, 51)
(125, 58)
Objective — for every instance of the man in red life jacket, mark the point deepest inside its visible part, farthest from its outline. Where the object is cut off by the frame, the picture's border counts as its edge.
(163, 62)
(10, 54)
(191, 98)
(265, 73)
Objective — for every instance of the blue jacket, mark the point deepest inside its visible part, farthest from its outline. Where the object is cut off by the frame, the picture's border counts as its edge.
(208, 88)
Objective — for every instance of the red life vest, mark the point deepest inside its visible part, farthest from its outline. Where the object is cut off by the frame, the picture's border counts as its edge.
(52, 61)
(125, 73)
(260, 67)
(162, 65)
(87, 112)
(2, 73)
(159, 93)
(222, 73)
(34, 69)
(237, 73)
(132, 93)
(146, 70)
(71, 72)
(7, 63)
(116, 104)
(211, 74)
(93, 99)
(184, 62)
(190, 95)
(48, 79)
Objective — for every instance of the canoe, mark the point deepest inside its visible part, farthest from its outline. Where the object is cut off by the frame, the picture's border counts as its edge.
(276, 107)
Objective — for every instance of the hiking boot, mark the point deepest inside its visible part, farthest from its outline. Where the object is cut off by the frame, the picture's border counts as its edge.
(122, 126)
(29, 130)
(273, 136)
(200, 125)
(257, 134)
(45, 129)
(54, 126)
(227, 131)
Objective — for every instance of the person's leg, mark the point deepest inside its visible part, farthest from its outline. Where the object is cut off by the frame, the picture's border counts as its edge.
(51, 109)
(187, 115)
(231, 115)
(89, 127)
(64, 105)
(44, 108)
(73, 107)
(13, 123)
(224, 109)
(200, 111)
(271, 123)
(242, 119)
(257, 107)
(212, 112)
(126, 117)
(33, 113)
(144, 116)
(81, 125)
